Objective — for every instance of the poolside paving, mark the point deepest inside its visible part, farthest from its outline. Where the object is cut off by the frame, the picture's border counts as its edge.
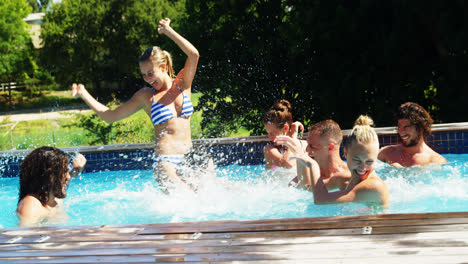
(17, 117)
(390, 238)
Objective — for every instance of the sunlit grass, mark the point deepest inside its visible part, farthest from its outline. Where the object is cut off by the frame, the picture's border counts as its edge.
(48, 99)
(134, 129)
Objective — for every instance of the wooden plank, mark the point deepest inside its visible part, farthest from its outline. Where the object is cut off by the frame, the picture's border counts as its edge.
(442, 238)
(283, 237)
(242, 227)
(303, 254)
(396, 238)
(202, 247)
(90, 228)
(90, 237)
(124, 229)
(333, 219)
(146, 259)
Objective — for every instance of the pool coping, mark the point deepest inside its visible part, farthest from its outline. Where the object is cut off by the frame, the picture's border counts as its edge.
(381, 131)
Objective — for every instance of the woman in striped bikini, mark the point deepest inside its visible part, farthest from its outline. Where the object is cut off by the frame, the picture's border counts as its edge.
(167, 103)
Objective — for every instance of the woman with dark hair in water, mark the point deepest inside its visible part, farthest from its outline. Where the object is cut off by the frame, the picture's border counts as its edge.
(278, 121)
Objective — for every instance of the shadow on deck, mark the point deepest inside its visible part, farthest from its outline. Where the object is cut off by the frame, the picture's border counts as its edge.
(390, 238)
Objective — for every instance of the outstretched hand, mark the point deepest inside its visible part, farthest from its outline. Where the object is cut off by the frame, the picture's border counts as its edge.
(78, 164)
(164, 25)
(77, 89)
(79, 161)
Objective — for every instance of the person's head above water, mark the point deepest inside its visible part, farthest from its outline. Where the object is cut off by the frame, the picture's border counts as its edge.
(413, 122)
(153, 62)
(323, 136)
(278, 119)
(362, 147)
(43, 172)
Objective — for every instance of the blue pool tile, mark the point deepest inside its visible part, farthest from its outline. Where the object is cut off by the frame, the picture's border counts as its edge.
(444, 136)
(451, 135)
(443, 144)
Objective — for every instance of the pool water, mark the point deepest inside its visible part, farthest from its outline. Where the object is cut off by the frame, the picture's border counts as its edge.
(241, 192)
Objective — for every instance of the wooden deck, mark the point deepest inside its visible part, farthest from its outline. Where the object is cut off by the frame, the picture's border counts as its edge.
(393, 238)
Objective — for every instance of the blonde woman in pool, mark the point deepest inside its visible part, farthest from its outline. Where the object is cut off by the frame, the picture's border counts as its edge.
(278, 121)
(361, 150)
(166, 101)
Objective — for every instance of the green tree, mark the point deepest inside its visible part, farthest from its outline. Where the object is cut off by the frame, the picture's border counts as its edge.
(15, 43)
(99, 42)
(331, 59)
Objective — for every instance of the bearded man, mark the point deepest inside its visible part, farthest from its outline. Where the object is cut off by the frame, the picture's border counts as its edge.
(414, 126)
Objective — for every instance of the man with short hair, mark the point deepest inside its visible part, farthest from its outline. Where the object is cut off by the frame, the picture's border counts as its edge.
(323, 145)
(414, 126)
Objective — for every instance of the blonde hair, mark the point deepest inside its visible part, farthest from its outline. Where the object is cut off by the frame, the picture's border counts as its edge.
(362, 132)
(158, 57)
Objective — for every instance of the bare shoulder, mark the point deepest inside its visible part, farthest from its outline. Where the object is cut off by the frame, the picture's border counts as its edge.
(389, 149)
(437, 158)
(270, 151)
(30, 210)
(144, 93)
(143, 96)
(387, 152)
(373, 190)
(374, 183)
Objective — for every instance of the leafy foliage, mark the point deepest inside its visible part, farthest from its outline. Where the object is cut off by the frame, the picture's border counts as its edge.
(15, 42)
(98, 131)
(99, 42)
(330, 59)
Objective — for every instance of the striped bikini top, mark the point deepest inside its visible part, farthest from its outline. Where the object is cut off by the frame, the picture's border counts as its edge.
(161, 114)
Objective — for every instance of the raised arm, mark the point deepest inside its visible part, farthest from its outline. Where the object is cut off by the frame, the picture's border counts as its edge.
(78, 164)
(294, 145)
(274, 157)
(104, 112)
(187, 74)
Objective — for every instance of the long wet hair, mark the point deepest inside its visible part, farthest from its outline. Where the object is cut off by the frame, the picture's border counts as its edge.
(417, 115)
(362, 132)
(43, 171)
(279, 114)
(158, 57)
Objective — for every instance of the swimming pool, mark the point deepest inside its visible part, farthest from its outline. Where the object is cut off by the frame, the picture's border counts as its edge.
(241, 192)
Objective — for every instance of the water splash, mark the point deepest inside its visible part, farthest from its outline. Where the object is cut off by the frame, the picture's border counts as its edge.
(241, 192)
